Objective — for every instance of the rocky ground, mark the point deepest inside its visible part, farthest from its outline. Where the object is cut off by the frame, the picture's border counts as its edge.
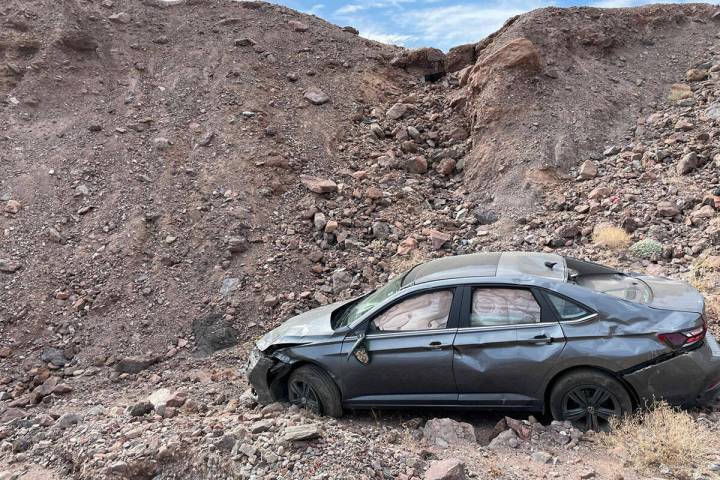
(170, 190)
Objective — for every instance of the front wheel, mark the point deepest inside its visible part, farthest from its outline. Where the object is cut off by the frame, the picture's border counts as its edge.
(589, 399)
(311, 388)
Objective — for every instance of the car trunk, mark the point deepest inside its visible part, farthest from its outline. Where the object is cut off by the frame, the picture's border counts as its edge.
(670, 294)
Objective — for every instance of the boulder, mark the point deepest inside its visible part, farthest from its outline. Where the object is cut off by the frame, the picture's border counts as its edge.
(316, 96)
(446, 167)
(8, 266)
(53, 355)
(667, 209)
(140, 409)
(67, 420)
(159, 397)
(301, 432)
(212, 333)
(407, 245)
(459, 57)
(696, 74)
(317, 184)
(13, 206)
(416, 164)
(135, 364)
(448, 469)
(397, 111)
(506, 438)
(298, 26)
(588, 170)
(429, 62)
(541, 457)
(438, 239)
(445, 432)
(599, 193)
(687, 163)
(341, 280)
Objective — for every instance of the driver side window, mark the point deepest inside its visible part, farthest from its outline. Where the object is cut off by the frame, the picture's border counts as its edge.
(425, 311)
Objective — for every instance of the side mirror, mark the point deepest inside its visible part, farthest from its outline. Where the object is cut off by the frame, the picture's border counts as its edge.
(359, 350)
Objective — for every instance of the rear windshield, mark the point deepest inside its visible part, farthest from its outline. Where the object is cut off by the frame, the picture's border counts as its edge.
(617, 285)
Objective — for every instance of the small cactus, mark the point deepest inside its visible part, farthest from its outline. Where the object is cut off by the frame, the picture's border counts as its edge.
(646, 248)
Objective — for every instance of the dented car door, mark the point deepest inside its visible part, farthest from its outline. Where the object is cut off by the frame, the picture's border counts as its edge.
(507, 343)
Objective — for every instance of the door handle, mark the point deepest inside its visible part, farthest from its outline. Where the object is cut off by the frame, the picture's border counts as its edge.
(435, 345)
(541, 339)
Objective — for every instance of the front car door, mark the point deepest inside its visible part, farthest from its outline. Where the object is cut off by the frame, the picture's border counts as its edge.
(409, 343)
(507, 342)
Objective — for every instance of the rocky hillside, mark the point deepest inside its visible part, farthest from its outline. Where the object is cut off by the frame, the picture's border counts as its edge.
(177, 179)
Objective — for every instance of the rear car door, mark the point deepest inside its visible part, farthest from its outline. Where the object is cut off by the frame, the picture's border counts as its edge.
(409, 343)
(507, 342)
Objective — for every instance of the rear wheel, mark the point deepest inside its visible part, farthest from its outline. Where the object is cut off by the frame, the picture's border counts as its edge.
(310, 387)
(589, 399)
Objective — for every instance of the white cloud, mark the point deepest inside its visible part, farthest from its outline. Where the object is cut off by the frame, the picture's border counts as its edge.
(452, 25)
(349, 9)
(631, 3)
(389, 38)
(315, 9)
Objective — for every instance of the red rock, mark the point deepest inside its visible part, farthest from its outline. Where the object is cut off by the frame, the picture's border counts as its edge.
(406, 246)
(317, 184)
(438, 239)
(449, 469)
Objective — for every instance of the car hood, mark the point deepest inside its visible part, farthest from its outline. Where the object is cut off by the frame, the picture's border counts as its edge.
(307, 327)
(669, 294)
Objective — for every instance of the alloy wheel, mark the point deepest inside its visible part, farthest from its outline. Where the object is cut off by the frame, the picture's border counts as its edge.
(590, 407)
(303, 395)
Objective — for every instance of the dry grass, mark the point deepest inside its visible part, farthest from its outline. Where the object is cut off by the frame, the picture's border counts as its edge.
(679, 92)
(705, 276)
(401, 264)
(614, 238)
(662, 435)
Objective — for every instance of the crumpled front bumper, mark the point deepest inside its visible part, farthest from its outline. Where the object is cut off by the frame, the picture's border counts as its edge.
(690, 379)
(265, 375)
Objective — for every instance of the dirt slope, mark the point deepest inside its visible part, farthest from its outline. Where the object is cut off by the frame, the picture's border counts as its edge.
(126, 127)
(179, 179)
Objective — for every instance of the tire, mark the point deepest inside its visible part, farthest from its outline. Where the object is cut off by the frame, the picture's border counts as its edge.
(589, 398)
(310, 387)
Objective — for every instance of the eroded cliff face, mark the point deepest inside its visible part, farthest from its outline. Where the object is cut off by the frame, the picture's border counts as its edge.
(552, 85)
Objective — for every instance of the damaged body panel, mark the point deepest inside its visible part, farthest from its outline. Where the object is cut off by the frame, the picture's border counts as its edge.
(498, 331)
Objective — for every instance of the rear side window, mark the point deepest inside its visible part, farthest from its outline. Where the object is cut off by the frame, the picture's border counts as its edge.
(566, 309)
(493, 307)
(426, 311)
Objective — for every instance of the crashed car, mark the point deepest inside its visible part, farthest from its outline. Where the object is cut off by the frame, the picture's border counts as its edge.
(511, 330)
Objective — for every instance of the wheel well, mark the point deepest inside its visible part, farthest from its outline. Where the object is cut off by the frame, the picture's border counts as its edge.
(546, 398)
(279, 383)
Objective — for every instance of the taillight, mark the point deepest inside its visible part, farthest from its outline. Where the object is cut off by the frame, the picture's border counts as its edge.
(685, 338)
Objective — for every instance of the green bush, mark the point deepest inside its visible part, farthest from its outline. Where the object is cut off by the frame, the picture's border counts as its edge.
(646, 248)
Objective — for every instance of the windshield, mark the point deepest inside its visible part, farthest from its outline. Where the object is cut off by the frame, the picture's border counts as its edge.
(617, 285)
(370, 301)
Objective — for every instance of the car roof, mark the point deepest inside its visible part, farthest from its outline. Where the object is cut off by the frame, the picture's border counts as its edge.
(489, 264)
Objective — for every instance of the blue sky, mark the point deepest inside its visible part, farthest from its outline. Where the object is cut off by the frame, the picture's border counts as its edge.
(436, 23)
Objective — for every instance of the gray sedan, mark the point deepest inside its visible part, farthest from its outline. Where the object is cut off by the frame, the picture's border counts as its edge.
(512, 330)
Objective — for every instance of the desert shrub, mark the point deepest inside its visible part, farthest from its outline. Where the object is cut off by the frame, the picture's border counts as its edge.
(646, 248)
(611, 237)
(661, 435)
